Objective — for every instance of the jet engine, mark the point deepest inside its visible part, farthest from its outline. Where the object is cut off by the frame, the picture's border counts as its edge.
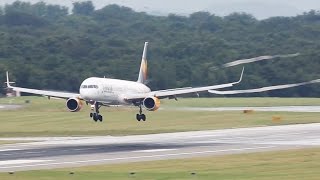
(74, 104)
(151, 103)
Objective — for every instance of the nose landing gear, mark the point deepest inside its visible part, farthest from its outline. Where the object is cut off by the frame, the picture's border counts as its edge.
(95, 114)
(141, 116)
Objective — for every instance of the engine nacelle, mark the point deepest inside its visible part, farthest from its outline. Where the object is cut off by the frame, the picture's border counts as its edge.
(151, 103)
(74, 104)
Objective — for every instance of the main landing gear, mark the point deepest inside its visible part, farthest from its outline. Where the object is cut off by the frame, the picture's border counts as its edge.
(141, 116)
(95, 114)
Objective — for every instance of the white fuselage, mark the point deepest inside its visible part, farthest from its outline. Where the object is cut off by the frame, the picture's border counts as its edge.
(110, 91)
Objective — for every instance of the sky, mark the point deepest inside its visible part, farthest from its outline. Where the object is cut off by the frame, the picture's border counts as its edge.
(261, 9)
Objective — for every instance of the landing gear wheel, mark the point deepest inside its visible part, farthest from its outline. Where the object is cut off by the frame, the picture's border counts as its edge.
(95, 117)
(143, 117)
(100, 118)
(95, 114)
(138, 117)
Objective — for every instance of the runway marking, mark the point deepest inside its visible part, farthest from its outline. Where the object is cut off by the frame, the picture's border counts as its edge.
(139, 157)
(38, 152)
(3, 150)
(155, 150)
(10, 162)
(83, 149)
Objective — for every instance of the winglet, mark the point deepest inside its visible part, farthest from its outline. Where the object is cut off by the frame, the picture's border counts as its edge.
(143, 67)
(8, 82)
(240, 76)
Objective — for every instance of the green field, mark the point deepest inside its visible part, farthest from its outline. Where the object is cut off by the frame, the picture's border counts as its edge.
(239, 102)
(43, 117)
(291, 165)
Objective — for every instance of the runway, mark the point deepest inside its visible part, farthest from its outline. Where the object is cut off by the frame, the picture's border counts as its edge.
(59, 152)
(9, 107)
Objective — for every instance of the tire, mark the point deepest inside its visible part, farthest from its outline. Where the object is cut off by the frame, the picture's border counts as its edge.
(100, 118)
(95, 117)
(138, 117)
(143, 117)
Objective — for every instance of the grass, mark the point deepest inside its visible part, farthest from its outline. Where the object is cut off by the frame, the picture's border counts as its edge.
(239, 102)
(291, 165)
(41, 117)
(2, 142)
(11, 142)
(186, 102)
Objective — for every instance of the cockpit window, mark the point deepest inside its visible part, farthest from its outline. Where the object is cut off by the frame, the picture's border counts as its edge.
(84, 86)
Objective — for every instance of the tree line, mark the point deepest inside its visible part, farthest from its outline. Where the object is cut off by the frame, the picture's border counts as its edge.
(49, 47)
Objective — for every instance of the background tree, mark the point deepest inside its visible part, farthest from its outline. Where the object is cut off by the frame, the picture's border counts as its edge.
(45, 47)
(83, 8)
(1, 11)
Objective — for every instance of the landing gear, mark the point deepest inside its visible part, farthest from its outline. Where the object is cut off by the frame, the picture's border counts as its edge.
(95, 114)
(141, 116)
(96, 117)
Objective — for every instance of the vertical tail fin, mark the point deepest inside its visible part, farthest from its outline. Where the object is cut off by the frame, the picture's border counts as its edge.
(143, 66)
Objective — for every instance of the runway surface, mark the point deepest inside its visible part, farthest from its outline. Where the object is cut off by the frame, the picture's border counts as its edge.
(9, 107)
(58, 152)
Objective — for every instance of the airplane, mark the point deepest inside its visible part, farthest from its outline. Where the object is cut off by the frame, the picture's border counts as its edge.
(100, 92)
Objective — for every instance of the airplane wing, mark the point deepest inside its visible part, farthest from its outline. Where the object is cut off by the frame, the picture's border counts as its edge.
(187, 90)
(263, 89)
(63, 95)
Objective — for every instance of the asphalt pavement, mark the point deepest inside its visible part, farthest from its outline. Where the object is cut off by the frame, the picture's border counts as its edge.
(59, 152)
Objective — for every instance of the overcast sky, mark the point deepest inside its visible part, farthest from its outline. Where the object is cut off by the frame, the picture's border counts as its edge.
(261, 9)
